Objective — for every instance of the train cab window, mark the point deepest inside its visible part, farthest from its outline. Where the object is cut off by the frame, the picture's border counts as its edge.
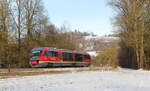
(35, 53)
(51, 53)
(67, 56)
(78, 57)
(87, 57)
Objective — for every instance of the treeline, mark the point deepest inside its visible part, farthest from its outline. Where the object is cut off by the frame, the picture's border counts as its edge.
(133, 25)
(24, 25)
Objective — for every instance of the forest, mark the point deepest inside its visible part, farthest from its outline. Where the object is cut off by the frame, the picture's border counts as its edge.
(132, 22)
(24, 24)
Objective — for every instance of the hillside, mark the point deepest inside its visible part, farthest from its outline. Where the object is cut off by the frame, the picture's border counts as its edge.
(93, 44)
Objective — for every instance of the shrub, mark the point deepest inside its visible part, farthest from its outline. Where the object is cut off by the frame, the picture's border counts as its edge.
(108, 56)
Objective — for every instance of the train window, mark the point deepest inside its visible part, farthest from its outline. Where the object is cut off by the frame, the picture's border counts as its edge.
(87, 56)
(51, 53)
(67, 56)
(55, 53)
(78, 57)
(35, 53)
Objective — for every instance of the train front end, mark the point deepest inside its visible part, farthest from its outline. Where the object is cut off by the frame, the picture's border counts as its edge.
(35, 56)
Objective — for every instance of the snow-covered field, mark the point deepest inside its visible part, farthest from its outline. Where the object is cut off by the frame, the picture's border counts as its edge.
(120, 80)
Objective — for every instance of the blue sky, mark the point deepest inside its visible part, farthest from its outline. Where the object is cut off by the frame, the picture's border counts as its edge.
(83, 15)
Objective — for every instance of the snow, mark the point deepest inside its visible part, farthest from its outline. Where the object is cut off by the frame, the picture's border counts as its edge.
(120, 80)
(101, 37)
(92, 37)
(92, 53)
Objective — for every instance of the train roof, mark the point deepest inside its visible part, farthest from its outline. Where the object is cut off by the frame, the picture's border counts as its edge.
(65, 50)
(42, 48)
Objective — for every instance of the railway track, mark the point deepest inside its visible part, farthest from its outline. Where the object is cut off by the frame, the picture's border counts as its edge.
(17, 72)
(5, 70)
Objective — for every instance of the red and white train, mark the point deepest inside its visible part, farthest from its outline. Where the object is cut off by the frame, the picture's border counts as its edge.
(49, 57)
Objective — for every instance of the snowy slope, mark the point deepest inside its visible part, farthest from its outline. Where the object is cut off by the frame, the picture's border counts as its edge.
(123, 80)
(100, 37)
(94, 44)
(92, 53)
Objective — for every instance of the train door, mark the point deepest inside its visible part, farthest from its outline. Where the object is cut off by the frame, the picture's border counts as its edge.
(52, 56)
(61, 56)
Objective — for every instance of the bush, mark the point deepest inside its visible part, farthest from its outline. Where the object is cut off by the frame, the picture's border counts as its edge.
(108, 56)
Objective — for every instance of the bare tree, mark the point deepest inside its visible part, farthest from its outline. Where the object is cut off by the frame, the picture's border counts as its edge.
(131, 24)
(4, 28)
(33, 11)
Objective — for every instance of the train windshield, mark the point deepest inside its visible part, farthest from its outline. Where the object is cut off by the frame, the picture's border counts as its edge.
(87, 56)
(35, 53)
